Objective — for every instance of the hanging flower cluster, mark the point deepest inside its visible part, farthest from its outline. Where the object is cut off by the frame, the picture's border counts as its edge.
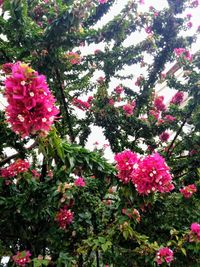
(195, 232)
(188, 190)
(164, 255)
(149, 174)
(19, 166)
(22, 258)
(126, 162)
(31, 106)
(177, 99)
(64, 217)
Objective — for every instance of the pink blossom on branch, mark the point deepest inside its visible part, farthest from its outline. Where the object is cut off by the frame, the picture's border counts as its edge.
(83, 105)
(103, 1)
(189, 190)
(182, 52)
(129, 108)
(19, 166)
(22, 258)
(177, 99)
(151, 175)
(79, 182)
(31, 106)
(158, 103)
(164, 137)
(126, 162)
(195, 232)
(164, 255)
(64, 217)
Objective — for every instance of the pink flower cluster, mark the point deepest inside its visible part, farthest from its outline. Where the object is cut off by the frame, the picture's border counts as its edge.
(158, 103)
(19, 166)
(189, 190)
(64, 217)
(177, 98)
(126, 162)
(182, 52)
(74, 58)
(169, 118)
(103, 1)
(164, 255)
(22, 258)
(148, 174)
(119, 89)
(164, 136)
(79, 182)
(152, 175)
(195, 232)
(31, 106)
(129, 108)
(83, 105)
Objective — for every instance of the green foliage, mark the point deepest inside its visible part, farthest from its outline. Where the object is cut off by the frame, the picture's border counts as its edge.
(106, 228)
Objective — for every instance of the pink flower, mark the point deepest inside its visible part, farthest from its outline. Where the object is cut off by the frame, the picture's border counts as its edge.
(182, 52)
(188, 190)
(126, 162)
(189, 16)
(141, 2)
(19, 166)
(151, 175)
(111, 102)
(158, 103)
(103, 1)
(79, 182)
(177, 98)
(154, 113)
(139, 81)
(195, 232)
(119, 89)
(195, 3)
(83, 105)
(35, 173)
(169, 118)
(164, 136)
(31, 106)
(101, 80)
(148, 29)
(7, 68)
(1, 2)
(64, 217)
(22, 258)
(74, 58)
(128, 108)
(90, 98)
(164, 255)
(189, 24)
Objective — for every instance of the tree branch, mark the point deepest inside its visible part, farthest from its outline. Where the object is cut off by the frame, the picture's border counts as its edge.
(6, 160)
(68, 120)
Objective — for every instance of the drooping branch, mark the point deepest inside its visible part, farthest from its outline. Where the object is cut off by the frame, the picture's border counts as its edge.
(6, 160)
